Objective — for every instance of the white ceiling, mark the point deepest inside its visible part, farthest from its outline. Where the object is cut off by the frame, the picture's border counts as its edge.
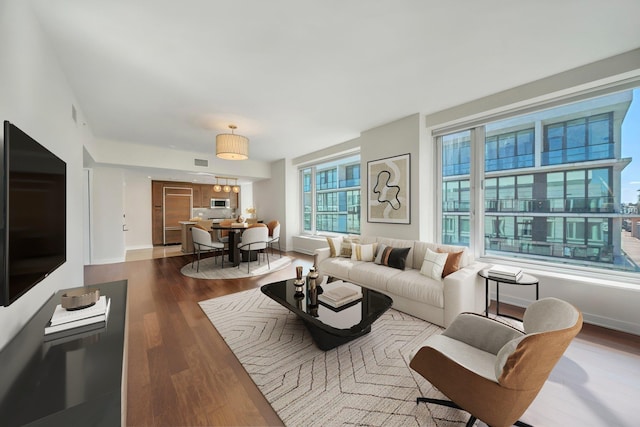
(296, 76)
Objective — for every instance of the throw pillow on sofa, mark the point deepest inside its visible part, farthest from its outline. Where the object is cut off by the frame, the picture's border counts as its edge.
(334, 246)
(453, 262)
(392, 257)
(433, 264)
(345, 247)
(363, 252)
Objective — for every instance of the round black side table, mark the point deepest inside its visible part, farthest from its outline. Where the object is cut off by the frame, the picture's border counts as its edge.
(525, 280)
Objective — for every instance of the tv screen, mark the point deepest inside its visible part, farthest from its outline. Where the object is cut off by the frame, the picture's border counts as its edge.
(34, 213)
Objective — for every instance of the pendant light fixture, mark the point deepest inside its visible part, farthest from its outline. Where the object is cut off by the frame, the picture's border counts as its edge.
(236, 187)
(217, 188)
(230, 146)
(226, 188)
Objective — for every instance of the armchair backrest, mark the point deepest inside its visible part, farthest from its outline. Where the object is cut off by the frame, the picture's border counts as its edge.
(526, 362)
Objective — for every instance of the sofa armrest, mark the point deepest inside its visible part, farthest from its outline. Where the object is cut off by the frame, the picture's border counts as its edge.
(463, 291)
(321, 254)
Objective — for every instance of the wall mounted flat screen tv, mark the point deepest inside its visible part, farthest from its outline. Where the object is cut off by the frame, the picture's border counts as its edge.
(34, 213)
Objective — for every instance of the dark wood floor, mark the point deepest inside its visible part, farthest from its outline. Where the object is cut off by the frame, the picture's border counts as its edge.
(180, 371)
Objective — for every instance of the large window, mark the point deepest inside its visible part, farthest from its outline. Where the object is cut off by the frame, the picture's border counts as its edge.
(331, 196)
(553, 186)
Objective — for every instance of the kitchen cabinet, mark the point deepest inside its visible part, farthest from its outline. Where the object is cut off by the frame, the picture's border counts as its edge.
(156, 212)
(201, 198)
(177, 208)
(207, 191)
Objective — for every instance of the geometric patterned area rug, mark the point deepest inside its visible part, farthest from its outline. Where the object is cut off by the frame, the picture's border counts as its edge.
(364, 382)
(210, 270)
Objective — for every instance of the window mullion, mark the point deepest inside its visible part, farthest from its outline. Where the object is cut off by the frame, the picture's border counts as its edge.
(476, 190)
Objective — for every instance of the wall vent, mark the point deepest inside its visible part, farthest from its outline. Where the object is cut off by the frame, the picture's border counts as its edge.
(201, 162)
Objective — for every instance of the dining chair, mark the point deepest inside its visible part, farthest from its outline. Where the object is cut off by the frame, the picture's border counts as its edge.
(254, 239)
(203, 243)
(274, 235)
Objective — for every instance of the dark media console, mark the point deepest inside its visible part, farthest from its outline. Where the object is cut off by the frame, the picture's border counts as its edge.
(73, 381)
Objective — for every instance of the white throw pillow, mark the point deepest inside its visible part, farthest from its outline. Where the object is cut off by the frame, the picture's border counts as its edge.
(334, 245)
(433, 264)
(362, 252)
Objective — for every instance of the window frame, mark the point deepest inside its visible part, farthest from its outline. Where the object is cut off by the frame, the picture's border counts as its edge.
(477, 177)
(330, 174)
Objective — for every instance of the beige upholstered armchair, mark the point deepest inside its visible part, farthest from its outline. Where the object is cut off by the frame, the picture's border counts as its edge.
(492, 370)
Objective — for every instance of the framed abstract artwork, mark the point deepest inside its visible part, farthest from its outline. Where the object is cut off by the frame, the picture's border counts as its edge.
(389, 192)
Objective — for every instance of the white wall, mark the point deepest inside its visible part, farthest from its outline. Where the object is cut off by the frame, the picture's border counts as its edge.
(35, 97)
(393, 139)
(270, 198)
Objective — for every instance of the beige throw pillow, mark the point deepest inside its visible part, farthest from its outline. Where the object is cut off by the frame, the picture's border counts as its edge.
(334, 245)
(363, 252)
(345, 247)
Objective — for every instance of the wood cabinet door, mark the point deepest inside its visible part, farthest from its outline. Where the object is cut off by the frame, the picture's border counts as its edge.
(197, 196)
(207, 191)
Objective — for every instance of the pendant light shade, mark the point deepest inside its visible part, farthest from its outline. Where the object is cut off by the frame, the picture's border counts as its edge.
(217, 187)
(230, 146)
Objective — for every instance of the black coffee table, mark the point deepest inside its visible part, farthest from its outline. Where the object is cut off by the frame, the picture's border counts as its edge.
(330, 327)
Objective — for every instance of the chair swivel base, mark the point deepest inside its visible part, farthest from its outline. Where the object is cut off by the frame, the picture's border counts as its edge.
(451, 404)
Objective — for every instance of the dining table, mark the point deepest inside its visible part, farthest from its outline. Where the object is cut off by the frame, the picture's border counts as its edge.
(235, 235)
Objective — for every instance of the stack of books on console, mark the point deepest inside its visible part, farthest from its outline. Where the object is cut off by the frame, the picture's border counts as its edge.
(70, 322)
(504, 272)
(336, 294)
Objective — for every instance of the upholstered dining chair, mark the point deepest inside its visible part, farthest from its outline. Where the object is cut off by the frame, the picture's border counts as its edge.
(492, 370)
(254, 239)
(203, 243)
(274, 235)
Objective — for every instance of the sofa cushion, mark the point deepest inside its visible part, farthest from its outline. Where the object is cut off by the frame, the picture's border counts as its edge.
(413, 285)
(392, 257)
(363, 252)
(453, 262)
(433, 264)
(337, 267)
(372, 275)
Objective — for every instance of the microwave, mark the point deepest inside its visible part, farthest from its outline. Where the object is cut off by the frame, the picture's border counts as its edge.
(220, 203)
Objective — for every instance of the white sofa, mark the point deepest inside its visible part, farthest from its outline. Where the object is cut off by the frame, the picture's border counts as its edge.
(436, 301)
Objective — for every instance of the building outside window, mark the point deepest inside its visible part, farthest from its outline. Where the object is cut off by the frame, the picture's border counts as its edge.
(331, 196)
(555, 185)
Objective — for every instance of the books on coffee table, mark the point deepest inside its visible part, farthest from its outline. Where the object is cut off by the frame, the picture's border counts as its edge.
(336, 294)
(63, 319)
(505, 272)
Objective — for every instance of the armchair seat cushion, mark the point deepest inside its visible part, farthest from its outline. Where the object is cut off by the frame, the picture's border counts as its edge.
(474, 359)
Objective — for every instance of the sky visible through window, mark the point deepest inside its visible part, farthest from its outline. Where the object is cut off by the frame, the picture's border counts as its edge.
(630, 177)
